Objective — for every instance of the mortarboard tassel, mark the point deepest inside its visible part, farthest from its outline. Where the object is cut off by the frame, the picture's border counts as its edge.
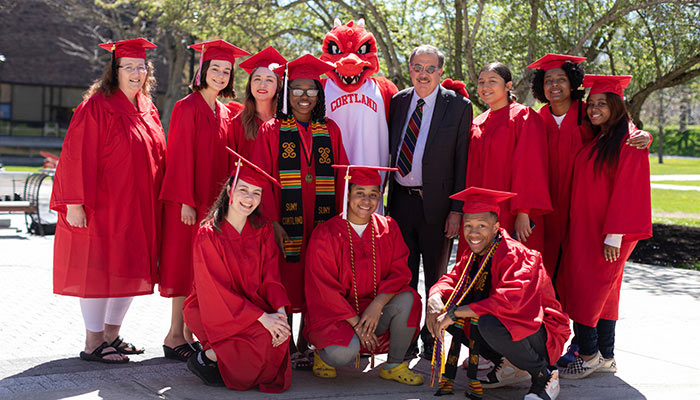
(114, 64)
(347, 184)
(235, 181)
(284, 97)
(199, 71)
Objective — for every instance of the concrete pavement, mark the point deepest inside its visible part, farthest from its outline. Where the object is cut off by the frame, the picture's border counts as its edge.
(41, 334)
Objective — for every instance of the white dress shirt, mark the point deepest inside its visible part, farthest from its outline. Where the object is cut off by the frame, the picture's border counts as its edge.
(415, 177)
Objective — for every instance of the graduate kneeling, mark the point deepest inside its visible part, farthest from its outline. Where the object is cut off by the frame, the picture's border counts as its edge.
(237, 307)
(357, 285)
(501, 295)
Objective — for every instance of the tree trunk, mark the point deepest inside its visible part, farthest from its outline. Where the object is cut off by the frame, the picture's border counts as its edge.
(176, 53)
(661, 127)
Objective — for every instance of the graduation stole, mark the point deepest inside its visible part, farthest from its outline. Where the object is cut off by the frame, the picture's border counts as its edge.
(473, 285)
(291, 151)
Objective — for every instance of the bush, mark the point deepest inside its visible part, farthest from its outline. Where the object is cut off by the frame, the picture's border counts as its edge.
(676, 143)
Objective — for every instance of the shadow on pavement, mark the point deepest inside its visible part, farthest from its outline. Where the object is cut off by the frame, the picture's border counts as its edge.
(661, 280)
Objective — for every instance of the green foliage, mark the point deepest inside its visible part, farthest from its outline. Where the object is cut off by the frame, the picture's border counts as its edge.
(686, 143)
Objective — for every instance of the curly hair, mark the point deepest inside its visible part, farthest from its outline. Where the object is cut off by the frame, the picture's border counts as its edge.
(108, 83)
(574, 72)
(317, 115)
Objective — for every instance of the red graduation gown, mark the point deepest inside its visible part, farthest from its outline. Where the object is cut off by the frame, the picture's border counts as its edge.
(521, 295)
(236, 280)
(198, 165)
(112, 162)
(563, 144)
(266, 156)
(616, 201)
(508, 152)
(237, 139)
(329, 295)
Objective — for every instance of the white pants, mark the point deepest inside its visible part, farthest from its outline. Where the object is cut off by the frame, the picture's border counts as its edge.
(98, 312)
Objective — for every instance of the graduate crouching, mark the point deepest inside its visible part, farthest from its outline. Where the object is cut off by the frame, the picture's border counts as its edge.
(357, 285)
(237, 307)
(499, 301)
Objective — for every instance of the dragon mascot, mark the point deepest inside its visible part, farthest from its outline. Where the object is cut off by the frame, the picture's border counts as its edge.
(355, 99)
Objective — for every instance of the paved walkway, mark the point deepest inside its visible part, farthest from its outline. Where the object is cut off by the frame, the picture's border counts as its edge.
(41, 335)
(675, 187)
(675, 178)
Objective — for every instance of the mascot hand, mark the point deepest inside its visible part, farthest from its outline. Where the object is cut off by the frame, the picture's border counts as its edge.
(458, 86)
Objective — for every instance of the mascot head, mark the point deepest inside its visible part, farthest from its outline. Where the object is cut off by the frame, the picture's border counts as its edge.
(353, 50)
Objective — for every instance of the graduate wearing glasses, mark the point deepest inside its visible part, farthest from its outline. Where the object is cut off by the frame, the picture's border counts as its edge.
(298, 148)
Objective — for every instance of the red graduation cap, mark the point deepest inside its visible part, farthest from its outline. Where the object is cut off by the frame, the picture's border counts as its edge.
(250, 173)
(551, 61)
(268, 58)
(134, 48)
(304, 67)
(217, 50)
(607, 84)
(478, 200)
(363, 175)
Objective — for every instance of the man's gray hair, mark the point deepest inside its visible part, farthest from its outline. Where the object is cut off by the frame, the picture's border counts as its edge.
(428, 49)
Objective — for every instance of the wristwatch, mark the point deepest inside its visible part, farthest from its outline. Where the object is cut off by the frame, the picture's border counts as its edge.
(451, 313)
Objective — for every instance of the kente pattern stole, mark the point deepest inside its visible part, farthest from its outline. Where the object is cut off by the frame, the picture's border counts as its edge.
(291, 153)
(473, 285)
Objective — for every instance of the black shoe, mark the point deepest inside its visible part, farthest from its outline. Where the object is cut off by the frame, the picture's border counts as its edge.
(545, 386)
(208, 373)
(412, 351)
(427, 350)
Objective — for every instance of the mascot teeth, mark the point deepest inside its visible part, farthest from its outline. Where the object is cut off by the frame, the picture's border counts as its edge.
(350, 80)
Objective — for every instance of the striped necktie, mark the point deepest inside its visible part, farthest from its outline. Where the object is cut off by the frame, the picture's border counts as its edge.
(408, 146)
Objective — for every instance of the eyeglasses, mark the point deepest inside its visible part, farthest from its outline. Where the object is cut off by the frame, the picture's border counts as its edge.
(300, 92)
(129, 69)
(420, 68)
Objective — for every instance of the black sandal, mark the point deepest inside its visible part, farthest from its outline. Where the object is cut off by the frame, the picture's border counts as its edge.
(125, 348)
(209, 374)
(300, 362)
(197, 346)
(99, 355)
(179, 353)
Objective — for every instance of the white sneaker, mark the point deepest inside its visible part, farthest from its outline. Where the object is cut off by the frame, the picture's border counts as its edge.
(503, 374)
(609, 365)
(580, 369)
(545, 387)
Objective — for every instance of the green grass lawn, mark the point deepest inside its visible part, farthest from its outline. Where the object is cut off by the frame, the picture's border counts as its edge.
(680, 183)
(674, 166)
(20, 168)
(676, 201)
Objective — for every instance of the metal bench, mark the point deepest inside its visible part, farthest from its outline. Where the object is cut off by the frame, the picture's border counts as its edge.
(30, 203)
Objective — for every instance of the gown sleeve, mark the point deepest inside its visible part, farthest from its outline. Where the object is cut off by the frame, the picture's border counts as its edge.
(325, 294)
(224, 312)
(264, 156)
(530, 179)
(398, 275)
(629, 208)
(514, 285)
(78, 167)
(178, 184)
(272, 289)
(447, 282)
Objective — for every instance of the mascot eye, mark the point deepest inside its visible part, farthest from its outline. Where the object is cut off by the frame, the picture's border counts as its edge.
(333, 48)
(364, 49)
